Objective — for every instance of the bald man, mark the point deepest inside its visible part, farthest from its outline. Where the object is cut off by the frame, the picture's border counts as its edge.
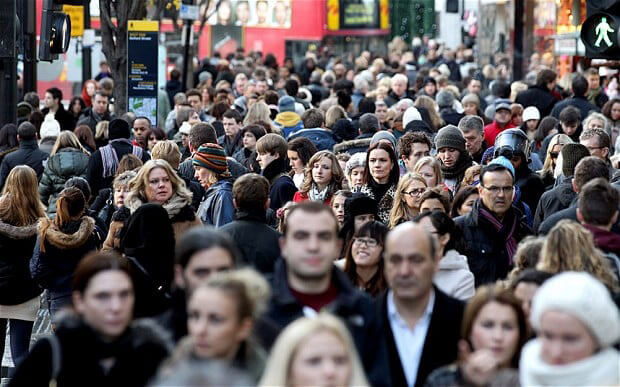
(420, 325)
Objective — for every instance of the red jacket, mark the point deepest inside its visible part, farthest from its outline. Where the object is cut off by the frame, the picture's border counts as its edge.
(301, 197)
(492, 130)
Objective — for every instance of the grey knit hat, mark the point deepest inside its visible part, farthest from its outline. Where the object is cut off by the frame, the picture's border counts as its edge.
(571, 155)
(450, 137)
(445, 99)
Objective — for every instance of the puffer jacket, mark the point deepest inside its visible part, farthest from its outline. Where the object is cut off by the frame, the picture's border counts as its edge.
(454, 277)
(65, 164)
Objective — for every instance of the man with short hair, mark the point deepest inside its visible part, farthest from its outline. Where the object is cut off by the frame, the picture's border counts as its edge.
(140, 126)
(502, 121)
(597, 141)
(494, 227)
(232, 139)
(315, 130)
(28, 153)
(474, 86)
(412, 146)
(306, 281)
(595, 95)
(416, 318)
(540, 94)
(597, 211)
(271, 156)
(194, 98)
(381, 112)
(579, 87)
(368, 126)
(292, 89)
(251, 199)
(399, 89)
(98, 112)
(53, 105)
(472, 128)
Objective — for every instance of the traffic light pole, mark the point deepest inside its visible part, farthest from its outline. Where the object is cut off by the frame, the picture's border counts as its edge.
(8, 62)
(28, 19)
(187, 65)
(86, 51)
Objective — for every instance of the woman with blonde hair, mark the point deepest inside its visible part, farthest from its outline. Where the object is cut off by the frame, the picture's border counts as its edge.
(430, 169)
(158, 183)
(322, 178)
(431, 107)
(20, 210)
(68, 159)
(101, 133)
(333, 114)
(315, 351)
(570, 247)
(407, 202)
(548, 173)
(259, 111)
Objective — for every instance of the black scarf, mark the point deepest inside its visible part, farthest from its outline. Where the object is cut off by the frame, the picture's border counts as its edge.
(274, 169)
(458, 170)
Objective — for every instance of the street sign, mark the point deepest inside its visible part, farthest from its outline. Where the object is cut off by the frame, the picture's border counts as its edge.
(142, 68)
(76, 14)
(189, 12)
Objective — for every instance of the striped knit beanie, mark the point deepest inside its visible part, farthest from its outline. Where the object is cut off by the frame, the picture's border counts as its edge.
(212, 157)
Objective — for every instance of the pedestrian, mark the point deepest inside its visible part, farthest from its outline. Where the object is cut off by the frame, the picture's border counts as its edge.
(246, 156)
(217, 207)
(464, 201)
(430, 169)
(299, 151)
(28, 153)
(354, 170)
(549, 171)
(323, 177)
(407, 201)
(338, 205)
(8, 140)
(271, 152)
(434, 199)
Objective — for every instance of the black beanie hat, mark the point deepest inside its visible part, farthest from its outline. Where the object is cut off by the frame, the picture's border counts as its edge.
(118, 128)
(571, 155)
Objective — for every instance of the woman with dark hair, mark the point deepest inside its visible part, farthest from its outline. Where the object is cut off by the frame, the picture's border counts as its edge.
(247, 155)
(453, 277)
(86, 138)
(153, 136)
(76, 106)
(8, 140)
(363, 262)
(464, 201)
(97, 344)
(61, 244)
(492, 335)
(381, 177)
(299, 152)
(611, 110)
(546, 127)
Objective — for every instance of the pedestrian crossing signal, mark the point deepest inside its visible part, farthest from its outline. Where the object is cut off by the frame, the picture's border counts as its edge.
(600, 34)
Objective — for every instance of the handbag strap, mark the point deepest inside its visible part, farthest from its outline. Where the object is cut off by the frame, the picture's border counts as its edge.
(158, 287)
(56, 358)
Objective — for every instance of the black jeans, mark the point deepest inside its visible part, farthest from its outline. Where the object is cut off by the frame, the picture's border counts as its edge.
(20, 332)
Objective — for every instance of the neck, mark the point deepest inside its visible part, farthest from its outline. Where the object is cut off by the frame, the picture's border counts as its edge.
(53, 109)
(383, 180)
(320, 187)
(601, 227)
(309, 285)
(412, 309)
(365, 273)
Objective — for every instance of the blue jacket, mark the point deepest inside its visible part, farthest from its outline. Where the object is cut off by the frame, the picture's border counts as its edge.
(217, 207)
(323, 139)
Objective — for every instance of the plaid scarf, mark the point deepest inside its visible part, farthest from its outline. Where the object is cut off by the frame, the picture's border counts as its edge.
(506, 230)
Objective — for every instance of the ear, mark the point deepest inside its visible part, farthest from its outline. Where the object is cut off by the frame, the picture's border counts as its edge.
(179, 280)
(480, 188)
(605, 152)
(235, 203)
(614, 218)
(267, 203)
(245, 329)
(78, 302)
(580, 216)
(574, 185)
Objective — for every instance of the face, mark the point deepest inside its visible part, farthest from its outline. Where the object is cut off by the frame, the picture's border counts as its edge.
(430, 88)
(261, 11)
(76, 107)
(50, 102)
(502, 116)
(231, 127)
(525, 293)
(107, 303)
(264, 159)
(594, 147)
(120, 193)
(413, 194)
(496, 191)
(295, 162)
(564, 338)
(569, 128)
(280, 13)
(471, 109)
(468, 204)
(100, 105)
(213, 324)
(418, 150)
(91, 89)
(517, 118)
(615, 111)
(195, 102)
(399, 87)
(310, 245)
(152, 141)
(249, 140)
(531, 124)
(381, 113)
(322, 172)
(380, 165)
(159, 189)
(430, 205)
(496, 328)
(140, 126)
(594, 82)
(366, 251)
(474, 86)
(320, 360)
(357, 177)
(448, 156)
(243, 13)
(202, 265)
(360, 220)
(338, 208)
(473, 141)
(240, 82)
(409, 265)
(194, 118)
(203, 175)
(261, 87)
(428, 173)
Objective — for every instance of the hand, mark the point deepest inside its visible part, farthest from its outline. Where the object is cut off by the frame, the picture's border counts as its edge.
(478, 367)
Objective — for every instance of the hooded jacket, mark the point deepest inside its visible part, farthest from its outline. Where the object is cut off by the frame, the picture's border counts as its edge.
(454, 277)
(65, 164)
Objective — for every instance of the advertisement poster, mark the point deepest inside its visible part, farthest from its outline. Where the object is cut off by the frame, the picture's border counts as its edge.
(142, 65)
(251, 13)
(226, 39)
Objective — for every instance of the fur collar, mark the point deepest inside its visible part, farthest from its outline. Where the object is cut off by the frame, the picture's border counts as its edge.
(60, 240)
(173, 206)
(17, 232)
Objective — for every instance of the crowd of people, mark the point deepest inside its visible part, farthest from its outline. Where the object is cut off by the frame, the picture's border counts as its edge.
(401, 220)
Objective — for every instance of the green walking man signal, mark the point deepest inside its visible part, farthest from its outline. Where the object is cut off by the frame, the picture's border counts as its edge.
(601, 30)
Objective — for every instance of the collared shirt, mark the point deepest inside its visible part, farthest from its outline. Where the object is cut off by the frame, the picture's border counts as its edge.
(409, 342)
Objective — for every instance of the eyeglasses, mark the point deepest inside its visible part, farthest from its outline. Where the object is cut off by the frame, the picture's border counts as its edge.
(415, 192)
(554, 155)
(496, 190)
(369, 242)
(593, 148)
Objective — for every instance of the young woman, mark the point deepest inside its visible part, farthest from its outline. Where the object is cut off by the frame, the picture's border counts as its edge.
(364, 258)
(76, 106)
(407, 199)
(354, 170)
(61, 245)
(493, 332)
(430, 169)
(577, 325)
(435, 199)
(158, 183)
(217, 207)
(553, 151)
(86, 138)
(611, 110)
(299, 152)
(68, 159)
(337, 205)
(323, 177)
(116, 198)
(381, 177)
(453, 277)
(314, 351)
(153, 136)
(97, 343)
(20, 210)
(220, 319)
(464, 201)
(8, 140)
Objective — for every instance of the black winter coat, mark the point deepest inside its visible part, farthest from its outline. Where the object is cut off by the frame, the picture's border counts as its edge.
(554, 200)
(65, 119)
(28, 154)
(485, 249)
(580, 103)
(16, 245)
(137, 355)
(531, 186)
(91, 119)
(246, 230)
(282, 189)
(95, 166)
(537, 96)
